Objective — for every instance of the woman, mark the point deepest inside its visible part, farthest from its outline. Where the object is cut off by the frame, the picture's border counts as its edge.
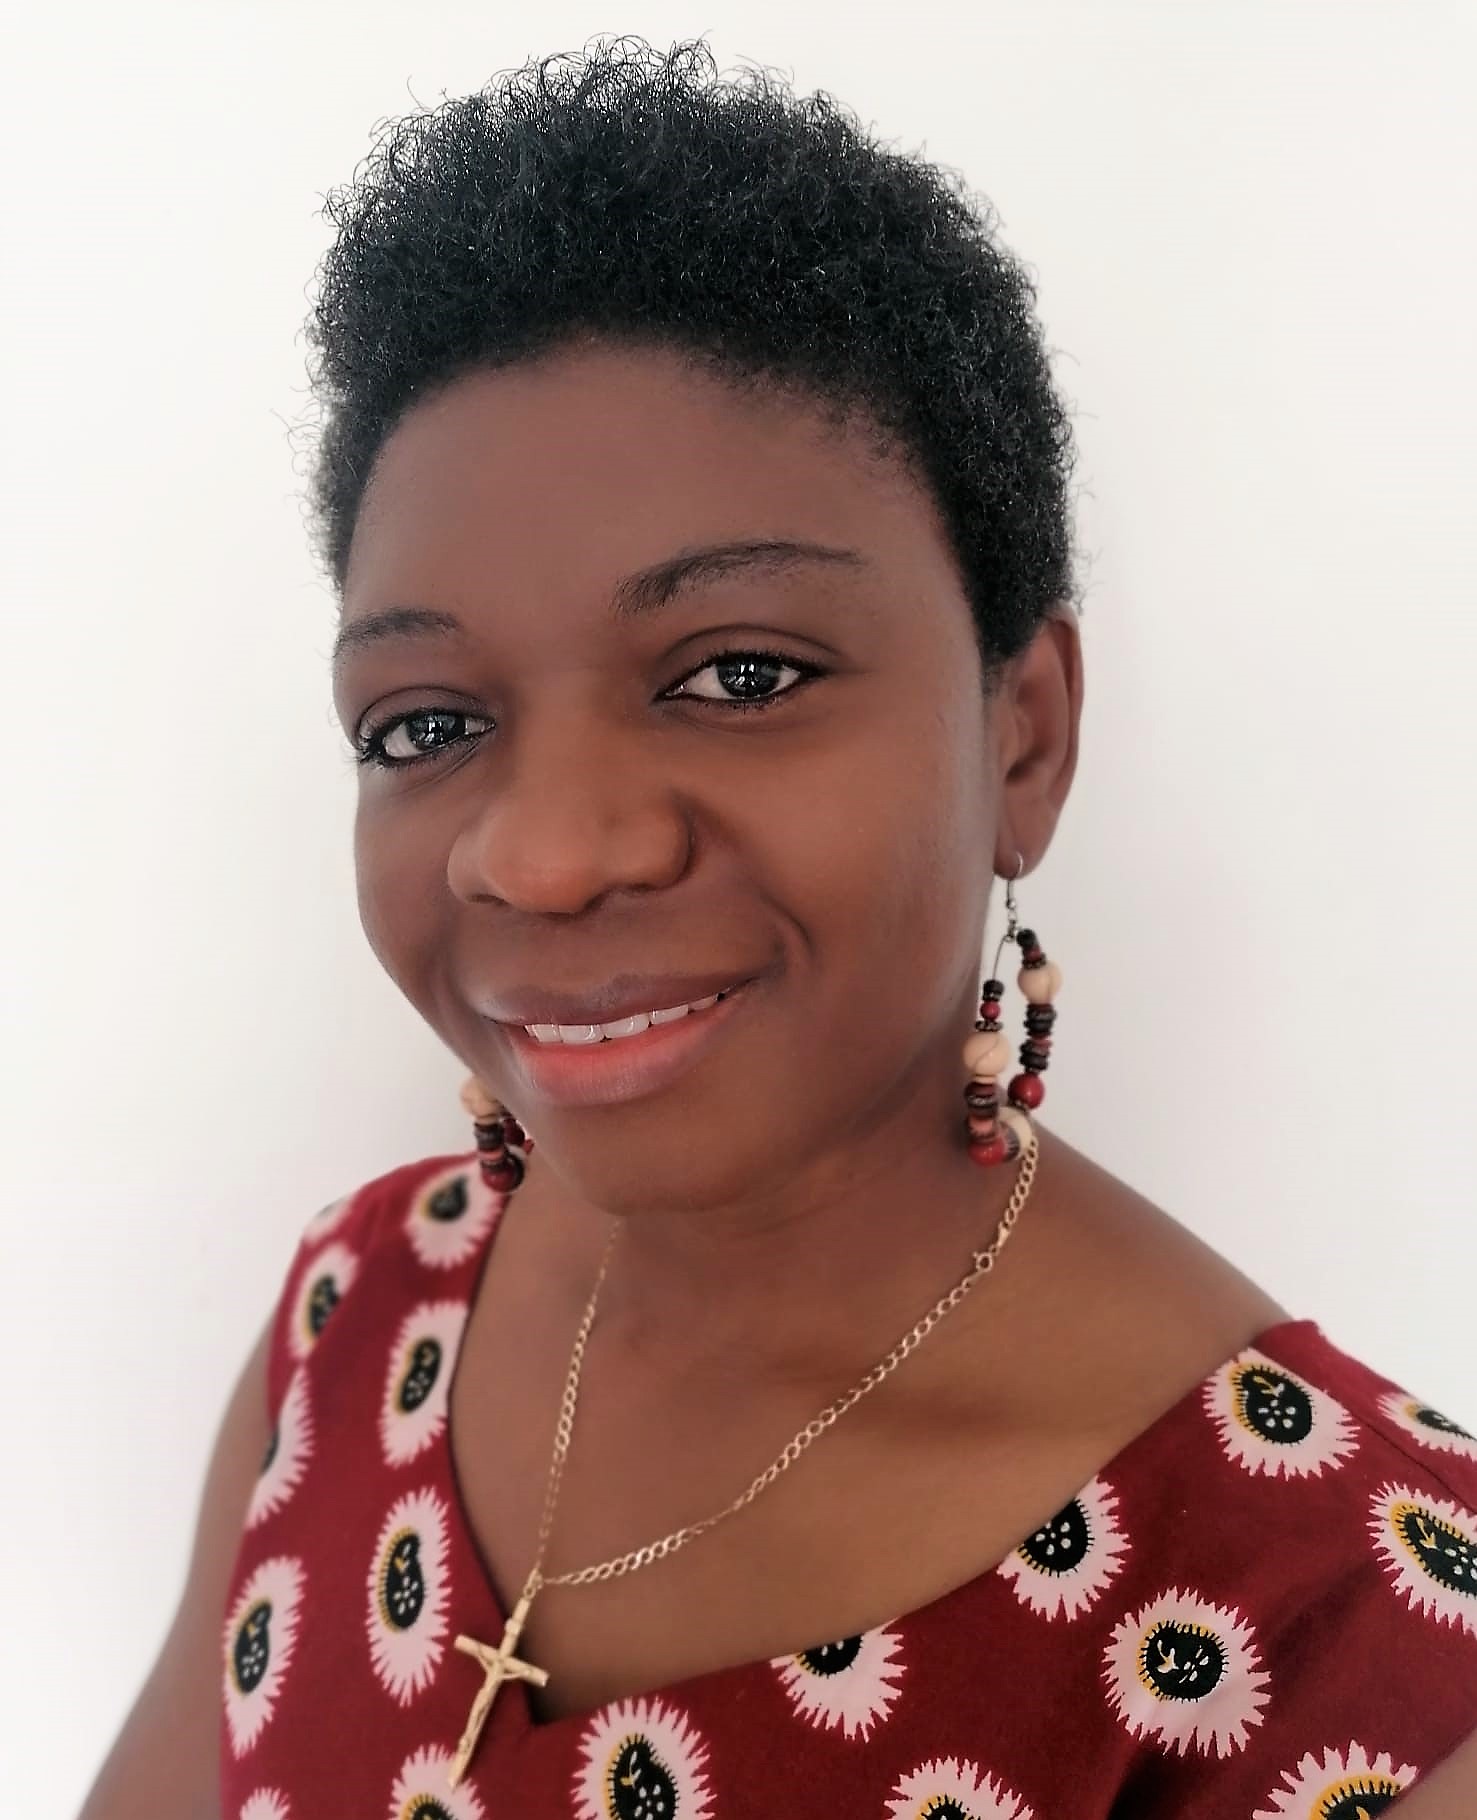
(696, 489)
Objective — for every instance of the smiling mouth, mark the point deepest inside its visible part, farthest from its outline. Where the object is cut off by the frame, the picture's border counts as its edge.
(600, 1068)
(621, 1029)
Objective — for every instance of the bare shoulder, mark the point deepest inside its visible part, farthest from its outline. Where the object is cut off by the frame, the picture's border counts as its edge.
(1448, 1792)
(1109, 1306)
(175, 1720)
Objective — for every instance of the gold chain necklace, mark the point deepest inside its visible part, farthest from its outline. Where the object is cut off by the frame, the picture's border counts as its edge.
(502, 1664)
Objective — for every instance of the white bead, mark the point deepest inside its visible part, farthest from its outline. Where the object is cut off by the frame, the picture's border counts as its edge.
(478, 1102)
(1018, 1122)
(1041, 984)
(987, 1052)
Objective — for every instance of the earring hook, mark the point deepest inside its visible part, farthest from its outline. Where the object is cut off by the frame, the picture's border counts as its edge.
(1011, 920)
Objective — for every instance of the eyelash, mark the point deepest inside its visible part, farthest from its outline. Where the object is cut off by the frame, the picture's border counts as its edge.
(371, 747)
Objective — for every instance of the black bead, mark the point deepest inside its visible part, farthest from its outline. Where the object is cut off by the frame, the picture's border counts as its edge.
(994, 989)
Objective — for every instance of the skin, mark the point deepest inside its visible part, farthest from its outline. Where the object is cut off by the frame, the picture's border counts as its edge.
(819, 1198)
(841, 845)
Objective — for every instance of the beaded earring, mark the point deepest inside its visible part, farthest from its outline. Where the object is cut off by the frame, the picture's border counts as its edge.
(998, 1134)
(502, 1143)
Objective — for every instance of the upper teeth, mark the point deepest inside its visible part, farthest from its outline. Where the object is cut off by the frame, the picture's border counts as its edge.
(625, 1026)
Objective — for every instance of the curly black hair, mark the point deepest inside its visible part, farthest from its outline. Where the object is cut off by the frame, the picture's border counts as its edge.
(637, 195)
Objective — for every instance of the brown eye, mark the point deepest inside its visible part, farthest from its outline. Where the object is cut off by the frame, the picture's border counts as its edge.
(436, 727)
(746, 679)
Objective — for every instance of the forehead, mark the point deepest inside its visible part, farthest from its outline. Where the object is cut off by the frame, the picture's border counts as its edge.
(592, 460)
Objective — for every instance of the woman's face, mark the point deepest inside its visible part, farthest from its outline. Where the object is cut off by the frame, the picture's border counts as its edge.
(592, 806)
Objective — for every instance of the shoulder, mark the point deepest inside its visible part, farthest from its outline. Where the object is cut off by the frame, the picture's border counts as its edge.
(1340, 1403)
(1332, 1524)
(1450, 1791)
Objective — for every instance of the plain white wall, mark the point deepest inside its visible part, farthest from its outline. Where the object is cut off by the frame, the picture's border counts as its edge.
(1252, 225)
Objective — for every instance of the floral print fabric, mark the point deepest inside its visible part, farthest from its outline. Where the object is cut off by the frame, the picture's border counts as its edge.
(1264, 1605)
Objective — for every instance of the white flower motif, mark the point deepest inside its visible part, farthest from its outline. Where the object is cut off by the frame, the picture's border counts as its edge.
(450, 1215)
(1427, 1425)
(950, 1785)
(418, 1379)
(408, 1595)
(850, 1686)
(1062, 1569)
(288, 1454)
(260, 1638)
(1337, 1782)
(423, 1790)
(1186, 1673)
(322, 1283)
(1272, 1421)
(641, 1760)
(1429, 1549)
(265, 1804)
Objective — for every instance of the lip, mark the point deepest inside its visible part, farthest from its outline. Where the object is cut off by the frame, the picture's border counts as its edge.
(623, 995)
(627, 1068)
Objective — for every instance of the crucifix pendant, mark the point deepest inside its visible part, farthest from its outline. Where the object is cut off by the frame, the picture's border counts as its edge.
(498, 1665)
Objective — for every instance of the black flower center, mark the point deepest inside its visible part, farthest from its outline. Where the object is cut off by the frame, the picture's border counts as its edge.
(1181, 1661)
(1357, 1800)
(420, 1374)
(831, 1658)
(449, 1202)
(402, 1583)
(251, 1650)
(1433, 1418)
(1273, 1406)
(1445, 1553)
(641, 1787)
(321, 1304)
(1060, 1545)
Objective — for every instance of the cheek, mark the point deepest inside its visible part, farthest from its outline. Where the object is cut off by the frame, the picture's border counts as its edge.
(912, 806)
(400, 905)
(890, 855)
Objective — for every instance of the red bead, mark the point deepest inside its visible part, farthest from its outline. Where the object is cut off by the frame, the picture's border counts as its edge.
(990, 1009)
(1027, 1091)
(502, 1174)
(994, 1151)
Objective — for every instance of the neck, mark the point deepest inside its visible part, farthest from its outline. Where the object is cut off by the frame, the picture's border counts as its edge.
(805, 1282)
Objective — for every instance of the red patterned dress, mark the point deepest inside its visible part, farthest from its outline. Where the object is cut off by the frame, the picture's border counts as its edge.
(1264, 1605)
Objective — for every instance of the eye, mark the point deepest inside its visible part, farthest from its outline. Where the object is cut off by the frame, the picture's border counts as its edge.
(437, 725)
(746, 679)
(742, 680)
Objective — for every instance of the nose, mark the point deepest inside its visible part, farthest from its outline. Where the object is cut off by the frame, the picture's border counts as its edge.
(581, 806)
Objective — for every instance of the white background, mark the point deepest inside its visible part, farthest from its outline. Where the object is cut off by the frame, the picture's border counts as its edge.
(1253, 229)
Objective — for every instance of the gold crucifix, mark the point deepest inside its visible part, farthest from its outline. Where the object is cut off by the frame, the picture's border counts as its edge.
(498, 1665)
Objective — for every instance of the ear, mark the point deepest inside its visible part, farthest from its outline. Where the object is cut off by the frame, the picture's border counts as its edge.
(1037, 720)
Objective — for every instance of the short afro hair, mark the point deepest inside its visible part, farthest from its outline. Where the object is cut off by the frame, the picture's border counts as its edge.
(638, 195)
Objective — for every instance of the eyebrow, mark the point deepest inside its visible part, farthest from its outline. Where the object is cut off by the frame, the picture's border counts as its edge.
(646, 591)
